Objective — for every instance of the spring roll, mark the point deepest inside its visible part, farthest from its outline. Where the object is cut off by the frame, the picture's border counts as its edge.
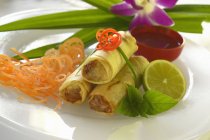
(75, 89)
(102, 66)
(105, 98)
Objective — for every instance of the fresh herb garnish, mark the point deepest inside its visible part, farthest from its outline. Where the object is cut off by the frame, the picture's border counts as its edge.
(151, 103)
(131, 103)
(156, 102)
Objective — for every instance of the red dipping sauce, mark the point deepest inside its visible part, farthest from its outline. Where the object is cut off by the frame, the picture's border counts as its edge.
(156, 42)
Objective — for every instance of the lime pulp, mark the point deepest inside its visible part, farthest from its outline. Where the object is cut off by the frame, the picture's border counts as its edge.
(164, 76)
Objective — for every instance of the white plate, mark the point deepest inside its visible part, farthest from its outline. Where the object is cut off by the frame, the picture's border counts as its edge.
(188, 120)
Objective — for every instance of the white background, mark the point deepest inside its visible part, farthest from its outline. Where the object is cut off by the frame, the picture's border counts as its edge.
(11, 6)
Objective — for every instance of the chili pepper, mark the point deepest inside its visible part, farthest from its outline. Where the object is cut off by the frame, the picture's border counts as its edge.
(109, 39)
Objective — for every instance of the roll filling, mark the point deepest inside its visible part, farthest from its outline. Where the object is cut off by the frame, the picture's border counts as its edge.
(75, 89)
(95, 70)
(99, 103)
(73, 94)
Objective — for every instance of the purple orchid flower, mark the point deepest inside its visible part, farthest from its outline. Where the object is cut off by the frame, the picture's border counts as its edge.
(145, 12)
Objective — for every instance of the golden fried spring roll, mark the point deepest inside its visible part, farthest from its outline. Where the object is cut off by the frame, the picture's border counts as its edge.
(75, 89)
(106, 97)
(102, 66)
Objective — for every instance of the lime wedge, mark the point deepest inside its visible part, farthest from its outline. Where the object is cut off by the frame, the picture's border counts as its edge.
(164, 76)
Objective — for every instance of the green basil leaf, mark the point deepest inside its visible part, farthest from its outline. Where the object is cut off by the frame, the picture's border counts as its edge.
(156, 102)
(90, 18)
(131, 103)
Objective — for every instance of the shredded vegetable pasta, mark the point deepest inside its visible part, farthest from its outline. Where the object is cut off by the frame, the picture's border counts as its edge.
(41, 78)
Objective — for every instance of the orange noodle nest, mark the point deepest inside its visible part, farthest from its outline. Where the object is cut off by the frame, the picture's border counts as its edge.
(41, 78)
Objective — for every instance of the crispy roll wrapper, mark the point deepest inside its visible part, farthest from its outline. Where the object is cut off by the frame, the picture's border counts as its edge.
(102, 66)
(75, 89)
(105, 98)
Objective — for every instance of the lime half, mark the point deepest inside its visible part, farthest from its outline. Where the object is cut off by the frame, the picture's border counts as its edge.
(164, 76)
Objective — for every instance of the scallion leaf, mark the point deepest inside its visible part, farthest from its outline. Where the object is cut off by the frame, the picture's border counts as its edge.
(192, 8)
(102, 4)
(91, 18)
(86, 35)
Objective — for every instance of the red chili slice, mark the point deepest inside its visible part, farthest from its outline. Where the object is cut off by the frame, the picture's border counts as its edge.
(109, 39)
